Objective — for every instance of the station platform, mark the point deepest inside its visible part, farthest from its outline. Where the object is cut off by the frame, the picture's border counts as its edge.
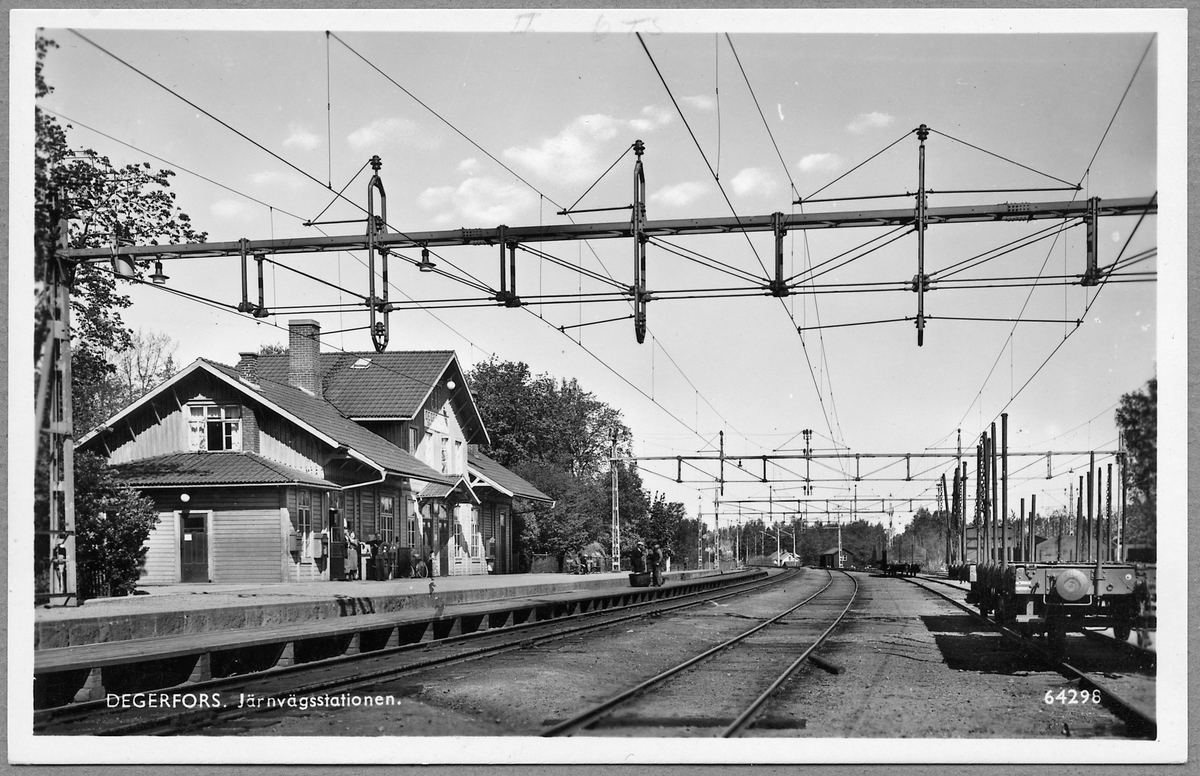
(170, 610)
(183, 634)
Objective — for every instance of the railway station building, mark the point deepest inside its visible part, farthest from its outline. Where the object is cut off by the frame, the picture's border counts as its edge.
(833, 558)
(265, 472)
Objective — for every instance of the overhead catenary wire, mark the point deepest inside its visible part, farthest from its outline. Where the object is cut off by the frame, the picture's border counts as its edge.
(815, 284)
(571, 208)
(1071, 186)
(708, 261)
(880, 152)
(721, 188)
(232, 308)
(664, 243)
(766, 126)
(1071, 331)
(249, 139)
(174, 165)
(273, 209)
(795, 194)
(464, 136)
(439, 116)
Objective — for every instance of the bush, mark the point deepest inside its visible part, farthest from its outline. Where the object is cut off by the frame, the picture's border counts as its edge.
(112, 523)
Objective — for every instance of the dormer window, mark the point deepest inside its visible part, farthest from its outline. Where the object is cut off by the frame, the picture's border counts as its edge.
(215, 427)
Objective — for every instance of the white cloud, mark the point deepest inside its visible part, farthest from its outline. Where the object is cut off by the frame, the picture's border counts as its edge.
(572, 153)
(867, 121)
(576, 153)
(393, 130)
(702, 102)
(276, 179)
(818, 162)
(230, 209)
(679, 194)
(468, 165)
(479, 202)
(753, 180)
(302, 139)
(653, 117)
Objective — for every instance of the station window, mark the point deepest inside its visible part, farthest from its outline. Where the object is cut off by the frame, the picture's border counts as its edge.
(412, 524)
(304, 520)
(459, 540)
(215, 427)
(387, 513)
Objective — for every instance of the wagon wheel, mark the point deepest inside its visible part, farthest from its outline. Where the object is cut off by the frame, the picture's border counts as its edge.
(1001, 610)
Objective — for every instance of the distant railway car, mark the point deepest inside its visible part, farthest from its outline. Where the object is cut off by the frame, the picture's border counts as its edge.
(1053, 599)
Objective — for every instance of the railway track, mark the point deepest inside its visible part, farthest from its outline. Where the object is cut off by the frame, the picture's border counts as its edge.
(1139, 721)
(349, 673)
(762, 658)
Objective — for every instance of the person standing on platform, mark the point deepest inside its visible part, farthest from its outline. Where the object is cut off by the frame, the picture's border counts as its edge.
(377, 551)
(656, 565)
(351, 558)
(364, 560)
(637, 558)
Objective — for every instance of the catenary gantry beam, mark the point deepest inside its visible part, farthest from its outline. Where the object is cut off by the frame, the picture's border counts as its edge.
(958, 214)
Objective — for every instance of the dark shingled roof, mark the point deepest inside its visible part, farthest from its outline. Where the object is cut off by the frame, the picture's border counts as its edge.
(322, 416)
(504, 478)
(393, 384)
(191, 469)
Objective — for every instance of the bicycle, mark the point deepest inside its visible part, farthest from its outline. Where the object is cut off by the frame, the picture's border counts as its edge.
(418, 569)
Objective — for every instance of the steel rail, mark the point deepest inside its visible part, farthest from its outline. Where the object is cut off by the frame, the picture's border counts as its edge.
(747, 717)
(175, 722)
(1141, 723)
(1149, 657)
(596, 712)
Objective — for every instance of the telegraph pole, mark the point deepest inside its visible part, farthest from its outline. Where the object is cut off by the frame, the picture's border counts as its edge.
(54, 409)
(616, 507)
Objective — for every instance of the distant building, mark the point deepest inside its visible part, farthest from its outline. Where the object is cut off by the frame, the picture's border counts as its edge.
(835, 559)
(262, 472)
(784, 558)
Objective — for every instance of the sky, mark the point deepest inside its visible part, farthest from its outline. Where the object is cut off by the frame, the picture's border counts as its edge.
(488, 119)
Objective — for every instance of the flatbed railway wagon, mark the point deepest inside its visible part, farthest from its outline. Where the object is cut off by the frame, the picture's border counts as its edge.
(1052, 599)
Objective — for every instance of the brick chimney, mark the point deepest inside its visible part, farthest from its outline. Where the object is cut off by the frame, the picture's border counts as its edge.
(248, 366)
(304, 345)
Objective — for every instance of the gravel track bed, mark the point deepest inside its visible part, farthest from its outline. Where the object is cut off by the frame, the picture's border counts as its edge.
(915, 666)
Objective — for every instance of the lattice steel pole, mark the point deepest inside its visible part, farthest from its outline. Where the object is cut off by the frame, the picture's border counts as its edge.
(616, 508)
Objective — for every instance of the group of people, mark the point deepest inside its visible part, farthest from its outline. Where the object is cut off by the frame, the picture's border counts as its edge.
(650, 559)
(374, 559)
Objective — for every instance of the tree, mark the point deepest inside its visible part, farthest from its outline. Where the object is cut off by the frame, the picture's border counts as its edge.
(1137, 421)
(102, 205)
(147, 362)
(660, 524)
(83, 200)
(112, 523)
(559, 437)
(536, 418)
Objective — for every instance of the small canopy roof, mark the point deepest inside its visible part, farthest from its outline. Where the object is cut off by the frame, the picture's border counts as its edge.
(460, 491)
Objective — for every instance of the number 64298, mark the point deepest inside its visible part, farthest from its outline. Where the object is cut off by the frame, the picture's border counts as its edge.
(1071, 697)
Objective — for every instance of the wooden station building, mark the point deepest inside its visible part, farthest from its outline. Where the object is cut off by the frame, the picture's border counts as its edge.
(265, 471)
